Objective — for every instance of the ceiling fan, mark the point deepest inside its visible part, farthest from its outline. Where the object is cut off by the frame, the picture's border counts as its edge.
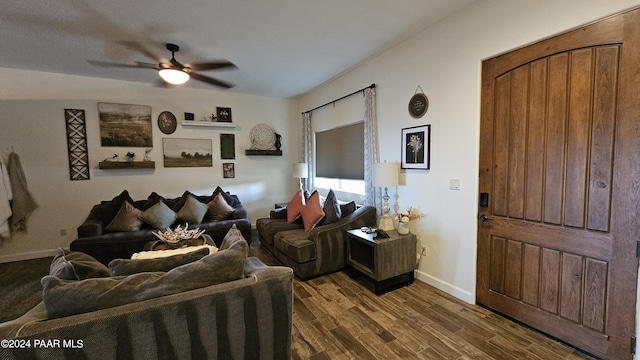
(172, 71)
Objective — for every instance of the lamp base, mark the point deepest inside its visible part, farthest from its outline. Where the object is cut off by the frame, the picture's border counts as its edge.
(386, 223)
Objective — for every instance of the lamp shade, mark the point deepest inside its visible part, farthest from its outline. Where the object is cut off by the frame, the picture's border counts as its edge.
(385, 174)
(300, 170)
(173, 76)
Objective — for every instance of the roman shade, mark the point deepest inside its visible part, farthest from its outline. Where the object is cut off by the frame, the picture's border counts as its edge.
(340, 152)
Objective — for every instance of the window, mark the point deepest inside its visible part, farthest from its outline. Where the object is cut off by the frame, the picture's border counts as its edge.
(340, 158)
(351, 186)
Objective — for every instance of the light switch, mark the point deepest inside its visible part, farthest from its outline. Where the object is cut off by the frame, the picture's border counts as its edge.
(454, 184)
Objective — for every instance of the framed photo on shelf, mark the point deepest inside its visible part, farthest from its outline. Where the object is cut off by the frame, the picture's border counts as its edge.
(224, 114)
(416, 143)
(228, 170)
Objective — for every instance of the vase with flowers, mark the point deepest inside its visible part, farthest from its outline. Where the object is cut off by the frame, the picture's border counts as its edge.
(405, 217)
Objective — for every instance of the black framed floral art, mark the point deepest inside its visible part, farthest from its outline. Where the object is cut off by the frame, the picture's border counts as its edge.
(224, 114)
(416, 143)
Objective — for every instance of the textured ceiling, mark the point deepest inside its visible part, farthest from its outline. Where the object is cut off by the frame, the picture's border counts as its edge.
(283, 48)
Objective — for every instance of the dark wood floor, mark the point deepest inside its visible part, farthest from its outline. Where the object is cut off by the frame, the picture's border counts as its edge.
(336, 317)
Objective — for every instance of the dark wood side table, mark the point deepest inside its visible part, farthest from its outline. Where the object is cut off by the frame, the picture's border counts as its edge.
(388, 262)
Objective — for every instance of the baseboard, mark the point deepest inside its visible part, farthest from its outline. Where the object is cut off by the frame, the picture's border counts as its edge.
(28, 256)
(446, 287)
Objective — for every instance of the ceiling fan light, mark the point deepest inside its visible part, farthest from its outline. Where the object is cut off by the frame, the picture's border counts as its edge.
(173, 76)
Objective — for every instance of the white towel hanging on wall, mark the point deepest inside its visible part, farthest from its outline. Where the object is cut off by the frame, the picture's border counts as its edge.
(22, 204)
(5, 197)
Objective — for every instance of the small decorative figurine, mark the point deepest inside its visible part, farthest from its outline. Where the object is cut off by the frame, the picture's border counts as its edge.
(113, 158)
(278, 141)
(146, 155)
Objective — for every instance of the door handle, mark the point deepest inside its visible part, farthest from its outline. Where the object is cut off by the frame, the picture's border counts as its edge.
(484, 217)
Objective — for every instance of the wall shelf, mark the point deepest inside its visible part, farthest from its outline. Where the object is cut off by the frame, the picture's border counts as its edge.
(213, 124)
(111, 165)
(264, 152)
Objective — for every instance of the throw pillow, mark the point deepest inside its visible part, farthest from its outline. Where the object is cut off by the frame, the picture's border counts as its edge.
(119, 267)
(193, 211)
(152, 199)
(232, 238)
(219, 209)
(159, 216)
(71, 265)
(294, 207)
(233, 202)
(312, 212)
(348, 208)
(126, 219)
(331, 209)
(107, 210)
(182, 199)
(64, 298)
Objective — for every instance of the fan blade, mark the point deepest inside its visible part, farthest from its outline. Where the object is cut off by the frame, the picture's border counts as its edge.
(138, 65)
(211, 81)
(147, 65)
(212, 65)
(141, 49)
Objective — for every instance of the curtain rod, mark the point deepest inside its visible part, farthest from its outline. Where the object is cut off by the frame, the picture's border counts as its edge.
(372, 86)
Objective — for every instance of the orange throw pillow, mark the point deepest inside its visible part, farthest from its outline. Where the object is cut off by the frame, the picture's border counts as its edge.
(294, 208)
(312, 212)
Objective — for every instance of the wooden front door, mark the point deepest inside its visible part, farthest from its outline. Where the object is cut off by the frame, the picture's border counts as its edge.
(560, 166)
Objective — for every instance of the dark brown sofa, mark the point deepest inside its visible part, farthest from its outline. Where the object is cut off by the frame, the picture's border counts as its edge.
(104, 245)
(319, 251)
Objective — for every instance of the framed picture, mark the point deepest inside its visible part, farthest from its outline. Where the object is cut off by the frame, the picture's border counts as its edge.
(125, 125)
(224, 114)
(228, 170)
(418, 105)
(227, 146)
(187, 152)
(416, 142)
(167, 122)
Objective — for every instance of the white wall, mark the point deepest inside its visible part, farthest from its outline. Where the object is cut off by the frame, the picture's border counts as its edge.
(445, 62)
(32, 122)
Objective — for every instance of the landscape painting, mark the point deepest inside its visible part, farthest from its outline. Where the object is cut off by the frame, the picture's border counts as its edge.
(187, 152)
(125, 125)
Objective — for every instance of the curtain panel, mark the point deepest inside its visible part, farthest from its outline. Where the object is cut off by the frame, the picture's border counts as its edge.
(306, 150)
(371, 147)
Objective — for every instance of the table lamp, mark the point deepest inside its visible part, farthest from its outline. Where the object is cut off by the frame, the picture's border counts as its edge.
(300, 171)
(384, 175)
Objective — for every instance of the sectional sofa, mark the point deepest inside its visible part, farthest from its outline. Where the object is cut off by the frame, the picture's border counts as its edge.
(313, 250)
(119, 227)
(224, 305)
